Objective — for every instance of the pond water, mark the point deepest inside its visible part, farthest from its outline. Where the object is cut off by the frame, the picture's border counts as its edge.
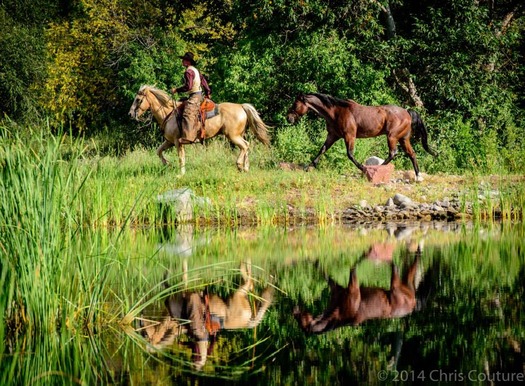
(274, 306)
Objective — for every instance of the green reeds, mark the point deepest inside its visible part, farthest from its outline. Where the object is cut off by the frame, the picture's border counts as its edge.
(39, 217)
(51, 288)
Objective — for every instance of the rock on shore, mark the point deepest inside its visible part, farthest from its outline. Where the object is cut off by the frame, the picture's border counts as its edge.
(400, 207)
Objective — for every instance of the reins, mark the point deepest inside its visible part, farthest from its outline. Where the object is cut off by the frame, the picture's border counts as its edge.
(167, 117)
(163, 124)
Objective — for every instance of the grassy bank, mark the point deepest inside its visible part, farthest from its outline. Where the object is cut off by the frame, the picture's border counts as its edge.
(268, 194)
(113, 191)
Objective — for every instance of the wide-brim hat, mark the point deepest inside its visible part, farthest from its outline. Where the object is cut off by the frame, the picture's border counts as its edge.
(189, 57)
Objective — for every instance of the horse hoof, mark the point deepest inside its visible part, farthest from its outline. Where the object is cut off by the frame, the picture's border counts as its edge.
(419, 178)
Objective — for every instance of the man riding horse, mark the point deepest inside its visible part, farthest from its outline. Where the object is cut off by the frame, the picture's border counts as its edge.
(194, 84)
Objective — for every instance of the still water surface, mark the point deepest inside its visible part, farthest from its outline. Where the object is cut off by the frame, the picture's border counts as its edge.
(465, 324)
(428, 303)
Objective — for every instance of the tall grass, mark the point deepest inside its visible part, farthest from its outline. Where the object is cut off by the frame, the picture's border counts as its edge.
(39, 215)
(48, 291)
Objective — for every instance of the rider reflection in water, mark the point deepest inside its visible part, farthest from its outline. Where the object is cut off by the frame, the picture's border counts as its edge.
(207, 313)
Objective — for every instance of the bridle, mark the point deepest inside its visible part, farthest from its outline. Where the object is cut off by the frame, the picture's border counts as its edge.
(293, 109)
(138, 103)
(161, 107)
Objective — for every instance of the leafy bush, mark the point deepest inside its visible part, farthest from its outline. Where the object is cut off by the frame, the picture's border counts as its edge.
(293, 144)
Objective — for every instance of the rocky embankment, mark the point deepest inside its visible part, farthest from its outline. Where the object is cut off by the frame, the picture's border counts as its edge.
(400, 207)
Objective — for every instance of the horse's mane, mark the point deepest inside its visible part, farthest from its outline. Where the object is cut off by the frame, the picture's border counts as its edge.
(329, 100)
(162, 96)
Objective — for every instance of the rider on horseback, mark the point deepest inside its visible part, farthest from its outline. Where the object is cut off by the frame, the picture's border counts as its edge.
(195, 84)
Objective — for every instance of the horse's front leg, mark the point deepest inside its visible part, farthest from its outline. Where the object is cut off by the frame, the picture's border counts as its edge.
(182, 158)
(392, 150)
(164, 146)
(350, 141)
(330, 140)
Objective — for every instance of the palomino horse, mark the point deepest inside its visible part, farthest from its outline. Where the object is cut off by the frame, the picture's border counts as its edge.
(349, 120)
(207, 314)
(353, 304)
(231, 121)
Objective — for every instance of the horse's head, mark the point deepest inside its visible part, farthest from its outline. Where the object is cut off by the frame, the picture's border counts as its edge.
(140, 103)
(298, 109)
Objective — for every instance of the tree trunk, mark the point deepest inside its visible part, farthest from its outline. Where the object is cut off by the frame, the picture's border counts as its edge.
(404, 80)
(402, 76)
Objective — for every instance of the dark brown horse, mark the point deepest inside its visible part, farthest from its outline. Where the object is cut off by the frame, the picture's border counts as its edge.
(353, 304)
(349, 120)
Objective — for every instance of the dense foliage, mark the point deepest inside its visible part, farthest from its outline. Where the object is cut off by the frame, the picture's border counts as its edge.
(78, 65)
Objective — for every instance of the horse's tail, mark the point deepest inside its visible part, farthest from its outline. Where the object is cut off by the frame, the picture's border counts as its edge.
(428, 285)
(265, 302)
(259, 128)
(419, 129)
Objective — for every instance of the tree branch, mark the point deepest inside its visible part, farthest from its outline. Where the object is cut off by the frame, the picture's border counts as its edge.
(408, 86)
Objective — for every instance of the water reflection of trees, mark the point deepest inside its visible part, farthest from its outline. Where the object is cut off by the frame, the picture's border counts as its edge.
(473, 319)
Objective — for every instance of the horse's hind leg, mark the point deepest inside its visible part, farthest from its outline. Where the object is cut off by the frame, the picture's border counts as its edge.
(264, 304)
(410, 277)
(407, 148)
(402, 296)
(242, 161)
(246, 158)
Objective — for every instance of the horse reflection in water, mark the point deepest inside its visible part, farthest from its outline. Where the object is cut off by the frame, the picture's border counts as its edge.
(201, 315)
(354, 304)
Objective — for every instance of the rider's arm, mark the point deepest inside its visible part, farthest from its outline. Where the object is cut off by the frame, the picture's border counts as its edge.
(188, 82)
(205, 87)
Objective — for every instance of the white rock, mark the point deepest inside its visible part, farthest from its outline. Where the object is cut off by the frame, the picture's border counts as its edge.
(371, 161)
(184, 201)
(401, 199)
(390, 203)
